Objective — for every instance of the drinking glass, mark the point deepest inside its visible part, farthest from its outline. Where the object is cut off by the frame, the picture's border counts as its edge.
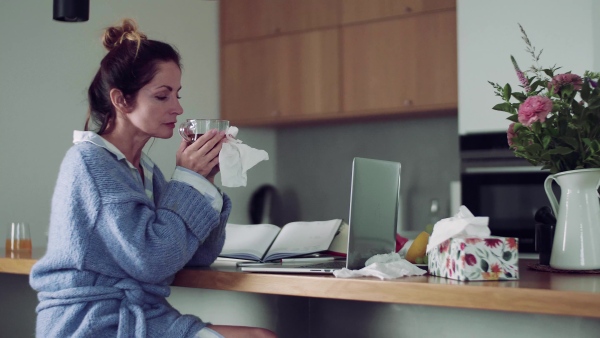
(18, 239)
(192, 129)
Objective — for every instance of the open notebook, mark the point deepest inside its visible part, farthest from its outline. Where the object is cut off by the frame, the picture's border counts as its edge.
(374, 202)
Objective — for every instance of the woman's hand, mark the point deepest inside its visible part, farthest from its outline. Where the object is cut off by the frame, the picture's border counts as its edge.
(202, 156)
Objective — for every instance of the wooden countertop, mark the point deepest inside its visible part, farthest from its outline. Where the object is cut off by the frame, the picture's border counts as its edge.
(535, 292)
(19, 263)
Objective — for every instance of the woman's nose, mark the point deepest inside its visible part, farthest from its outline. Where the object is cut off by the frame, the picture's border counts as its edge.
(178, 109)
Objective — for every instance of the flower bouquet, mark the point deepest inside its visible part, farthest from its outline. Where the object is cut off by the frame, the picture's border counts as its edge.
(556, 119)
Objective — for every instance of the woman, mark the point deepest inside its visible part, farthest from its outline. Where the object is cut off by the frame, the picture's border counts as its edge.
(118, 230)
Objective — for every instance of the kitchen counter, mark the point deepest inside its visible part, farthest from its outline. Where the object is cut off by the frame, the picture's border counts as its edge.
(19, 263)
(535, 292)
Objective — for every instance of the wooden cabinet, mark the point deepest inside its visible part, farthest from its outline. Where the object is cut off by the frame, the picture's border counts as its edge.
(286, 62)
(400, 65)
(361, 10)
(242, 19)
(289, 76)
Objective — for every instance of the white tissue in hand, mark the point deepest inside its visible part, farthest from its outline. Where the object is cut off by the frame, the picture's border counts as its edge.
(236, 158)
(385, 266)
(463, 225)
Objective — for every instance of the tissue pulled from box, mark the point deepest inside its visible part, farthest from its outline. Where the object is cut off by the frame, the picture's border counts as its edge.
(236, 158)
(461, 248)
(384, 266)
(462, 225)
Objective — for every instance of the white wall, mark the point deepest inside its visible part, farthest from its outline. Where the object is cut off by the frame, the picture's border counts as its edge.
(488, 33)
(45, 69)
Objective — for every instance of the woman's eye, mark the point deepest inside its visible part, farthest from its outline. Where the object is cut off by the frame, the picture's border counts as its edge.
(161, 98)
(178, 97)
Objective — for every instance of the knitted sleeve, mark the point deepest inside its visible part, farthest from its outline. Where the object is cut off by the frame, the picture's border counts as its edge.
(149, 242)
(213, 244)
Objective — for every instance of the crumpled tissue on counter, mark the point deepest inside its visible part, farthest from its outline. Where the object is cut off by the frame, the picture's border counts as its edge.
(384, 266)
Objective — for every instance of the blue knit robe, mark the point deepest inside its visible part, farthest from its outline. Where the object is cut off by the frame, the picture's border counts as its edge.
(112, 252)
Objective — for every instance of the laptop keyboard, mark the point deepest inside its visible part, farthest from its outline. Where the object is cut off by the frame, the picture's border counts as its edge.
(326, 265)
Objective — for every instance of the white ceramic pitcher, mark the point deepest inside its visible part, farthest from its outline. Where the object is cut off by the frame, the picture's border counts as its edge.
(576, 243)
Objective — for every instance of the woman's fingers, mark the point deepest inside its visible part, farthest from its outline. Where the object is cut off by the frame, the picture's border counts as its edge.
(202, 156)
(214, 152)
(206, 139)
(178, 156)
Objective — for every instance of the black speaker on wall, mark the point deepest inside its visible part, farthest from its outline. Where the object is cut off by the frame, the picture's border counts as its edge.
(71, 10)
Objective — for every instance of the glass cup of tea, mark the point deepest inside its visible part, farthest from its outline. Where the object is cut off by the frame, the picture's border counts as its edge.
(18, 239)
(192, 129)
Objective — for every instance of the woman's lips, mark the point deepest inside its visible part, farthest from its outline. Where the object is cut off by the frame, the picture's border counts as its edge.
(172, 125)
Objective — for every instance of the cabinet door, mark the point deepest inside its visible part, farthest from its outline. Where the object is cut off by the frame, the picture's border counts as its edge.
(307, 73)
(435, 55)
(248, 80)
(401, 64)
(299, 15)
(378, 69)
(281, 77)
(361, 10)
(243, 19)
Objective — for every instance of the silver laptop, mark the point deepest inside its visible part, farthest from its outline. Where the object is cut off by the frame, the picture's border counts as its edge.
(374, 203)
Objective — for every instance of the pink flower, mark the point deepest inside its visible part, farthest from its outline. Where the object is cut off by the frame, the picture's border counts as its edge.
(561, 80)
(510, 134)
(521, 75)
(523, 81)
(535, 108)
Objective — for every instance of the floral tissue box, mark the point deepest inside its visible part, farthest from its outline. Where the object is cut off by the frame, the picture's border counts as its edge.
(467, 259)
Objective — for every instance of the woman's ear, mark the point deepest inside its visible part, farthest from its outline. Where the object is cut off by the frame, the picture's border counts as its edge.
(118, 100)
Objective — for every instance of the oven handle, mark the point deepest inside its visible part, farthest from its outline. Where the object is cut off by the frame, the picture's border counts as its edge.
(494, 170)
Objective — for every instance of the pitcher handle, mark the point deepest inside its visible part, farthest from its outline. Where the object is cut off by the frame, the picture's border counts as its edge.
(550, 193)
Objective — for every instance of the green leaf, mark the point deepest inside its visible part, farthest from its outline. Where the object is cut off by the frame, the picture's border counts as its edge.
(585, 90)
(519, 96)
(513, 118)
(507, 255)
(503, 107)
(577, 108)
(549, 72)
(506, 92)
(571, 141)
(546, 141)
(546, 157)
(536, 127)
(560, 151)
(534, 85)
(534, 148)
(594, 103)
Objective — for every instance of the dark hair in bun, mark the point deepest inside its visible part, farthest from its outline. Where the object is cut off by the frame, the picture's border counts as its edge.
(128, 31)
(131, 63)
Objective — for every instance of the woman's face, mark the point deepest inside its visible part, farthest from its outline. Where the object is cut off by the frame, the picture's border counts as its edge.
(157, 103)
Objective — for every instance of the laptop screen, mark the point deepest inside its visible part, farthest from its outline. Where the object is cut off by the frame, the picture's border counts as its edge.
(374, 202)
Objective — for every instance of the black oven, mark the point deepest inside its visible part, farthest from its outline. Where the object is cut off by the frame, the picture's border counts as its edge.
(507, 189)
